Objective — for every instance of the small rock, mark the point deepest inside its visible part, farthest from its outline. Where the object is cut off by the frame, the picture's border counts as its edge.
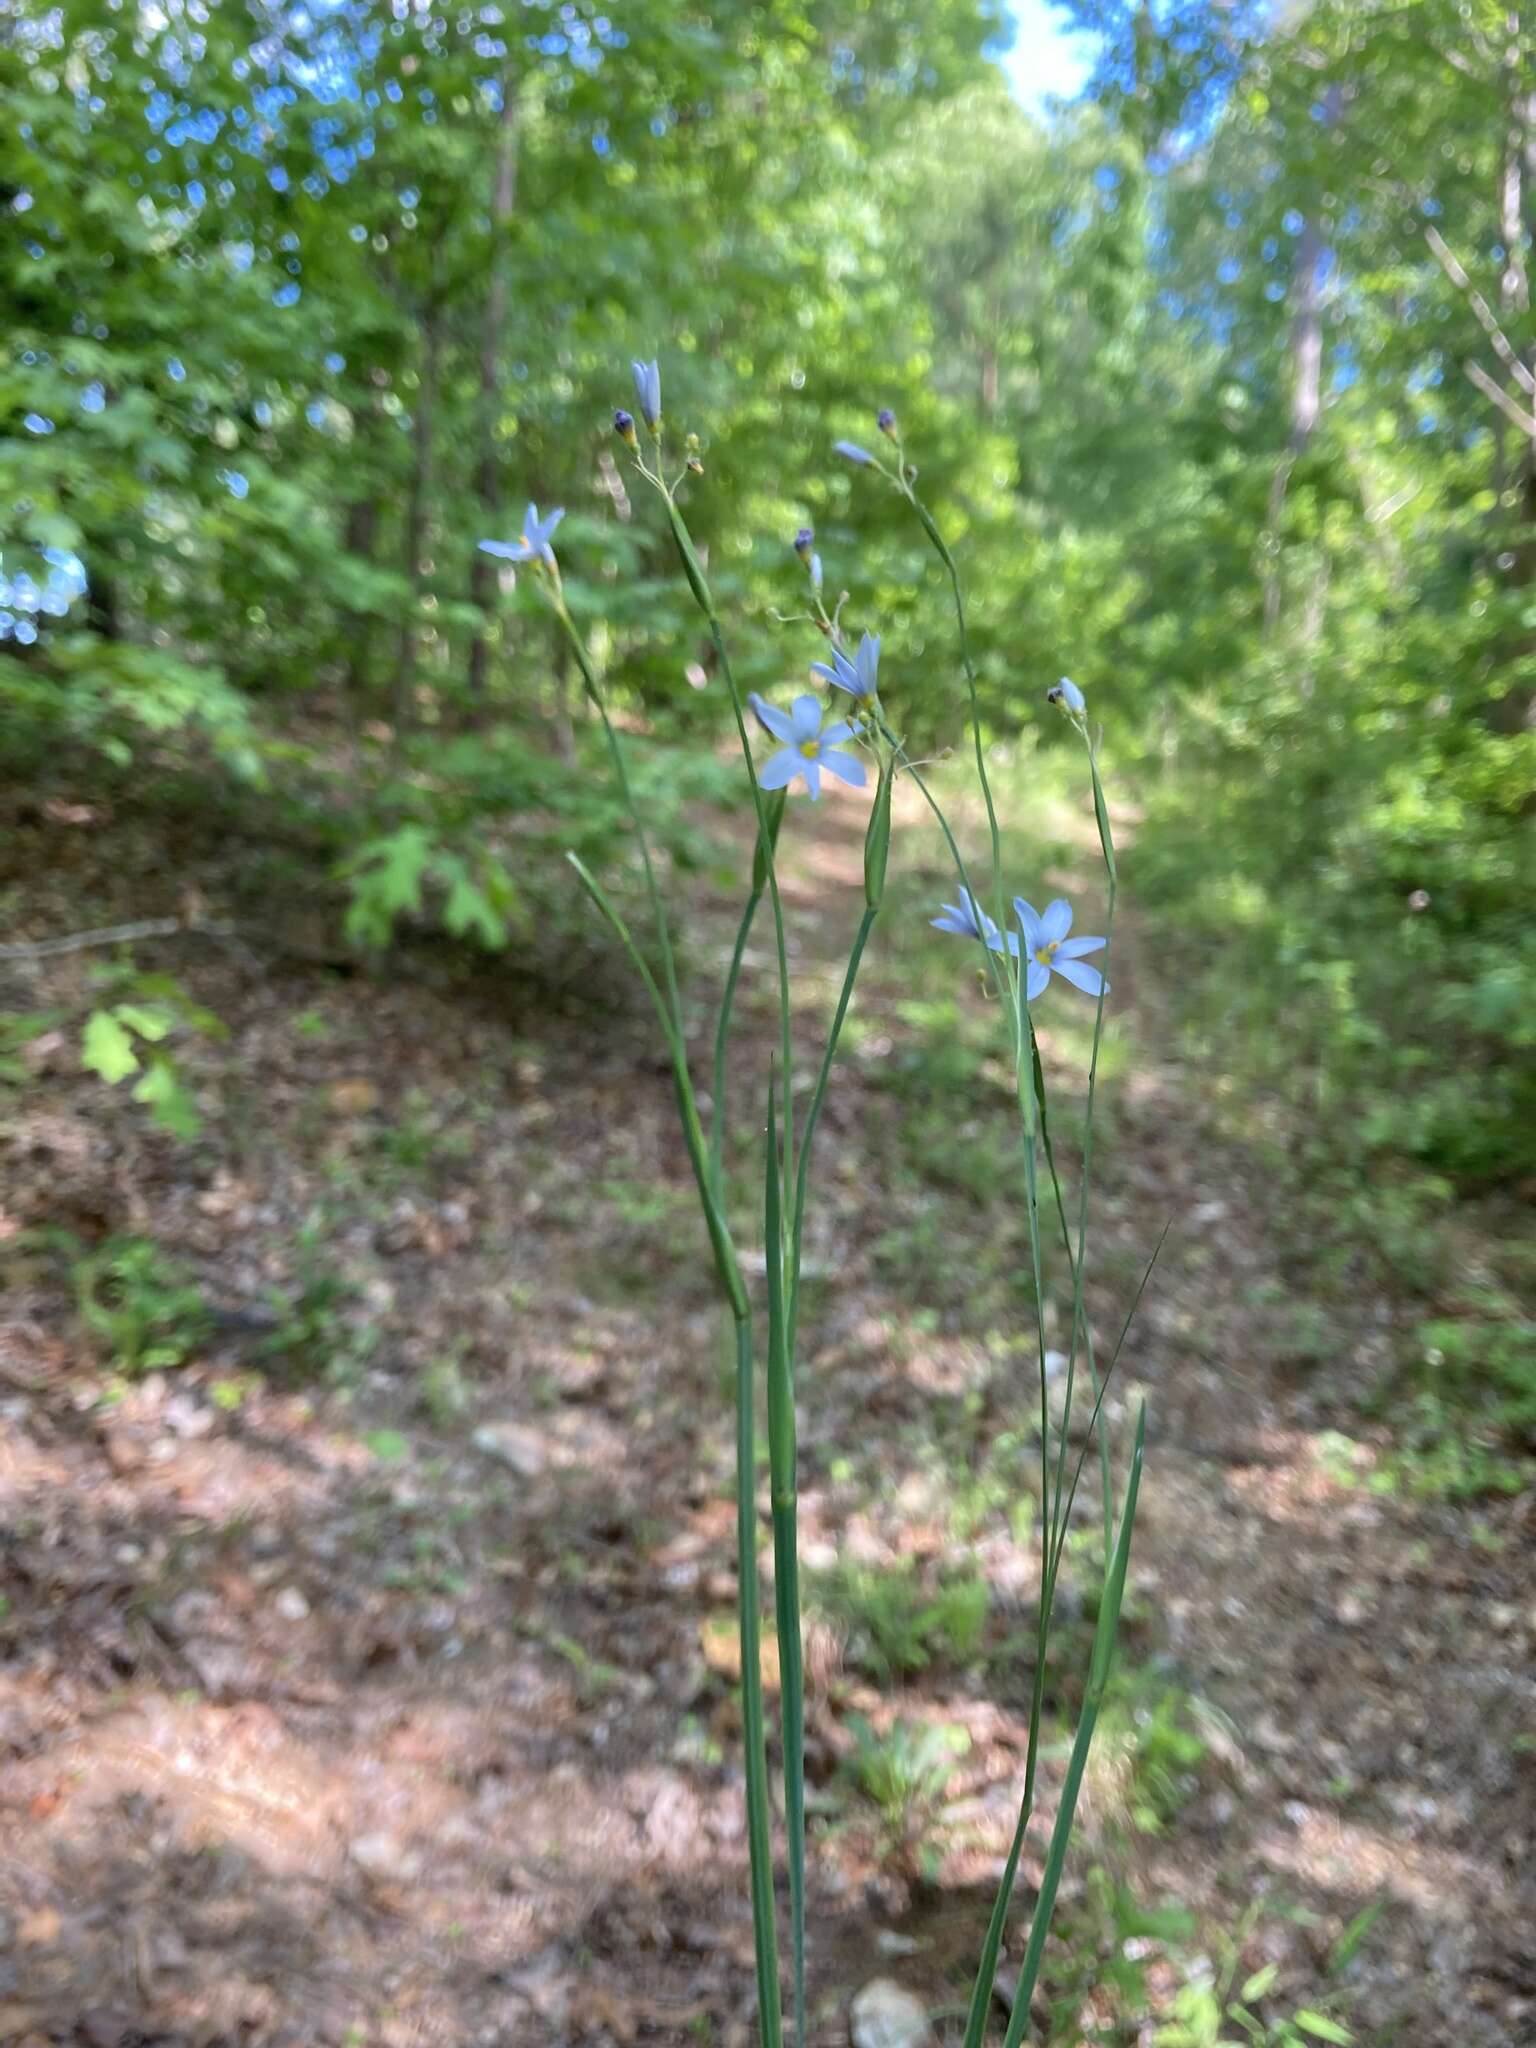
(521, 1449)
(890, 1943)
(381, 1857)
(885, 2016)
(186, 1417)
(291, 1604)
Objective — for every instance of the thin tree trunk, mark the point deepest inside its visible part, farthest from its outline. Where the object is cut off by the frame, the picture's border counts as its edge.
(422, 425)
(1516, 709)
(481, 575)
(361, 533)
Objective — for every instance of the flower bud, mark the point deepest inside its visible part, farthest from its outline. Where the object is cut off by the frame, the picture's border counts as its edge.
(852, 452)
(885, 420)
(814, 566)
(694, 466)
(877, 841)
(1067, 693)
(803, 541)
(624, 427)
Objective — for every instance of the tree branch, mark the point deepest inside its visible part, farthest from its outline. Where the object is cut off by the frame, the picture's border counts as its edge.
(1525, 421)
(1503, 347)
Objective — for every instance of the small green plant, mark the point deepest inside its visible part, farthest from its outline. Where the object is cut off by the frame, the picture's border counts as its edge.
(144, 1310)
(441, 1391)
(896, 1622)
(314, 1336)
(1153, 1742)
(905, 1772)
(129, 1034)
(1211, 2009)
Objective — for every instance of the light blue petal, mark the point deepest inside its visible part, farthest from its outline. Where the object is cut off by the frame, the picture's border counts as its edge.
(1082, 976)
(952, 921)
(780, 769)
(1029, 923)
(805, 716)
(1071, 694)
(834, 735)
(1055, 920)
(867, 661)
(846, 767)
(1074, 949)
(1039, 981)
(812, 772)
(508, 550)
(852, 452)
(771, 718)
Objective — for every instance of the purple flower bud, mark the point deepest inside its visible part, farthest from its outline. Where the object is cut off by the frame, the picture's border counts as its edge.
(885, 420)
(803, 540)
(624, 425)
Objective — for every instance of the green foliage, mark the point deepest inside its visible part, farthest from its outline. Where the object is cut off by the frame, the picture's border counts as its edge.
(315, 1335)
(905, 1771)
(140, 1305)
(897, 1621)
(127, 1037)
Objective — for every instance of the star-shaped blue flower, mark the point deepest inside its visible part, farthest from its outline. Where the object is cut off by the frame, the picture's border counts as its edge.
(808, 746)
(648, 389)
(532, 544)
(968, 920)
(859, 677)
(1048, 950)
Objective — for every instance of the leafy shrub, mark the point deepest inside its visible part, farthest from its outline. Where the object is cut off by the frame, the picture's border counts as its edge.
(896, 1624)
(144, 1310)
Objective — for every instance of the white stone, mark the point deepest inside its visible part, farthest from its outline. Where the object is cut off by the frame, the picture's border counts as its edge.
(885, 2016)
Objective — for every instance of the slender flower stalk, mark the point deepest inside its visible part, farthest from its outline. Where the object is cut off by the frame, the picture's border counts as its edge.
(1020, 955)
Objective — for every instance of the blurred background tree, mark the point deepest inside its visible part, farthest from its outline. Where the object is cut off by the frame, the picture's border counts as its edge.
(1224, 377)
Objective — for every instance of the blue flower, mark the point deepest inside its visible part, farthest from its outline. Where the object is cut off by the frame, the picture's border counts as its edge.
(648, 390)
(1066, 692)
(859, 677)
(808, 746)
(852, 452)
(1049, 951)
(968, 920)
(532, 544)
(624, 426)
(814, 570)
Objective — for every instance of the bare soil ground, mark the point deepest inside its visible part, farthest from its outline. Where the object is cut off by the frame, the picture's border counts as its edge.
(382, 1693)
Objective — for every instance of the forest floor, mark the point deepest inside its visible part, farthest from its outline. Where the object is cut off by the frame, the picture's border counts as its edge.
(366, 1677)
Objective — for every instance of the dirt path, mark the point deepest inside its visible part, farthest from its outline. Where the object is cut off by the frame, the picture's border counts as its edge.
(367, 1679)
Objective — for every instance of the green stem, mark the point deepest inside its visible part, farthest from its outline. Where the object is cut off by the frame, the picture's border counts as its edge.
(699, 585)
(941, 548)
(722, 1042)
(786, 1565)
(813, 1115)
(1066, 1812)
(759, 1837)
(621, 774)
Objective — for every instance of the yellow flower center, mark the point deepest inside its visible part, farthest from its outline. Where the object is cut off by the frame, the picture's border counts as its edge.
(1045, 954)
(810, 749)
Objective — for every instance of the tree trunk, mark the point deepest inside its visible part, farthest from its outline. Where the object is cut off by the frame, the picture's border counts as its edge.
(361, 532)
(481, 574)
(416, 518)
